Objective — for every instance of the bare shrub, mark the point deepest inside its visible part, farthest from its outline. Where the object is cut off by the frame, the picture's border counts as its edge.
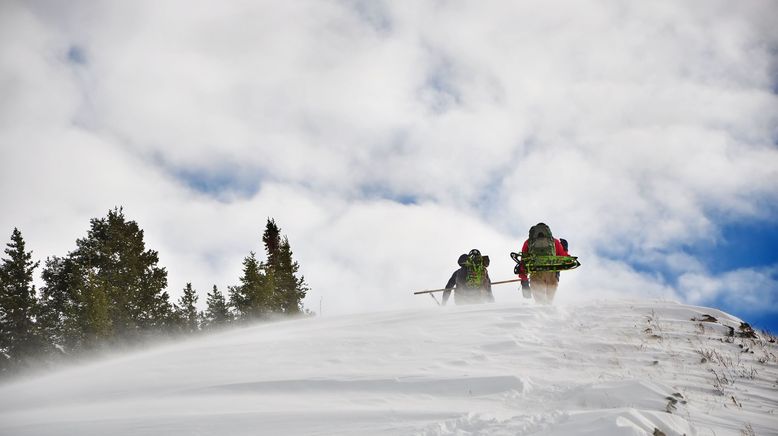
(720, 381)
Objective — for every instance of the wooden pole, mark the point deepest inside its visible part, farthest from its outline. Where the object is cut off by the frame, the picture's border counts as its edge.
(429, 291)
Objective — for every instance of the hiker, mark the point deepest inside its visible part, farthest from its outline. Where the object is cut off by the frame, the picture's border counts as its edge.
(470, 282)
(541, 285)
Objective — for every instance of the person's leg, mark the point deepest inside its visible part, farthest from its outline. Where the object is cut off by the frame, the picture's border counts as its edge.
(538, 287)
(543, 285)
(551, 287)
(551, 292)
(467, 296)
(539, 292)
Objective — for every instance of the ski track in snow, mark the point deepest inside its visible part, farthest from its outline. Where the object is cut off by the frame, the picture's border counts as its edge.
(604, 368)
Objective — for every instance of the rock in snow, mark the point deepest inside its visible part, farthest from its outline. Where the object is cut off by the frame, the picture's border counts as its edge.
(603, 368)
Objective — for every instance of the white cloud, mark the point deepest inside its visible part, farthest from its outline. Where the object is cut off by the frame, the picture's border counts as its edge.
(631, 129)
(749, 290)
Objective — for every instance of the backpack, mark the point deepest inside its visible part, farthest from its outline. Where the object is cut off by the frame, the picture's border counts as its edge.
(541, 241)
(476, 268)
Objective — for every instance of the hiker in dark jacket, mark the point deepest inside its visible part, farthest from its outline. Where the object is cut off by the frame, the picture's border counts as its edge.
(470, 282)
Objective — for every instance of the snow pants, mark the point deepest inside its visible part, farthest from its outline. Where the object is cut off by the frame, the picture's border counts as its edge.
(543, 286)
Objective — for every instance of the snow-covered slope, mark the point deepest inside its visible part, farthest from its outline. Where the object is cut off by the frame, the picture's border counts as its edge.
(605, 368)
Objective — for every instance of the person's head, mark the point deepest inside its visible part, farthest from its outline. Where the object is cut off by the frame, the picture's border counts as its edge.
(475, 259)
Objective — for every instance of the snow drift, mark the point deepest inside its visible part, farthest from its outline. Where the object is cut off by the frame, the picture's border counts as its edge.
(604, 368)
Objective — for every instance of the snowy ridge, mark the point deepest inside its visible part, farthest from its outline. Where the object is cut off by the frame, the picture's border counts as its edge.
(604, 368)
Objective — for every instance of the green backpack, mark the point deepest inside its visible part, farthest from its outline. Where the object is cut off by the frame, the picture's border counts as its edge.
(541, 241)
(476, 268)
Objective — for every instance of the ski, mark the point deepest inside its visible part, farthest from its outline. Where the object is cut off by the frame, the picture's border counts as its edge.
(535, 263)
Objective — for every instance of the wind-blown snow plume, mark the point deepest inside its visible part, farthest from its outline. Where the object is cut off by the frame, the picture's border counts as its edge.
(616, 368)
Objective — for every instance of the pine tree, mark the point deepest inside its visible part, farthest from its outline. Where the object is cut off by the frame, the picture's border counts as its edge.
(290, 289)
(21, 340)
(186, 310)
(271, 238)
(110, 287)
(61, 304)
(272, 286)
(114, 247)
(281, 271)
(95, 318)
(217, 313)
(252, 298)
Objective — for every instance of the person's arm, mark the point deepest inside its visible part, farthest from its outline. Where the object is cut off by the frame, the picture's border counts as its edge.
(488, 286)
(560, 249)
(522, 267)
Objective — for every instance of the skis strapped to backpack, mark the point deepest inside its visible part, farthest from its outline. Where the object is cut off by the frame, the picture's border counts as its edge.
(537, 263)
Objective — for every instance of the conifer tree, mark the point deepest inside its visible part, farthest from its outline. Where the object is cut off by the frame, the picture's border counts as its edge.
(95, 318)
(20, 337)
(186, 310)
(272, 286)
(110, 287)
(114, 247)
(271, 238)
(62, 307)
(289, 288)
(251, 299)
(217, 313)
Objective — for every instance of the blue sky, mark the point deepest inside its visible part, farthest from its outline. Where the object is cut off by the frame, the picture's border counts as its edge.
(745, 244)
(378, 131)
(732, 246)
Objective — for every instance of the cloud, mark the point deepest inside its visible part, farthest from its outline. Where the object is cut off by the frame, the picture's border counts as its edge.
(386, 138)
(747, 290)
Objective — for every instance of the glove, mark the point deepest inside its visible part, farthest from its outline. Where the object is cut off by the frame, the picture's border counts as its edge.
(525, 289)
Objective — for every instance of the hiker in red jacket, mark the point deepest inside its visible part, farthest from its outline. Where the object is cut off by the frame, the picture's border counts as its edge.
(541, 285)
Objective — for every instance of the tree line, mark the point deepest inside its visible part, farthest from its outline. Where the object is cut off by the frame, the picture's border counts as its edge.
(111, 291)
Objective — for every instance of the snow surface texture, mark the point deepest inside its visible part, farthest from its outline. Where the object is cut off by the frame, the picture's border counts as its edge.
(605, 368)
